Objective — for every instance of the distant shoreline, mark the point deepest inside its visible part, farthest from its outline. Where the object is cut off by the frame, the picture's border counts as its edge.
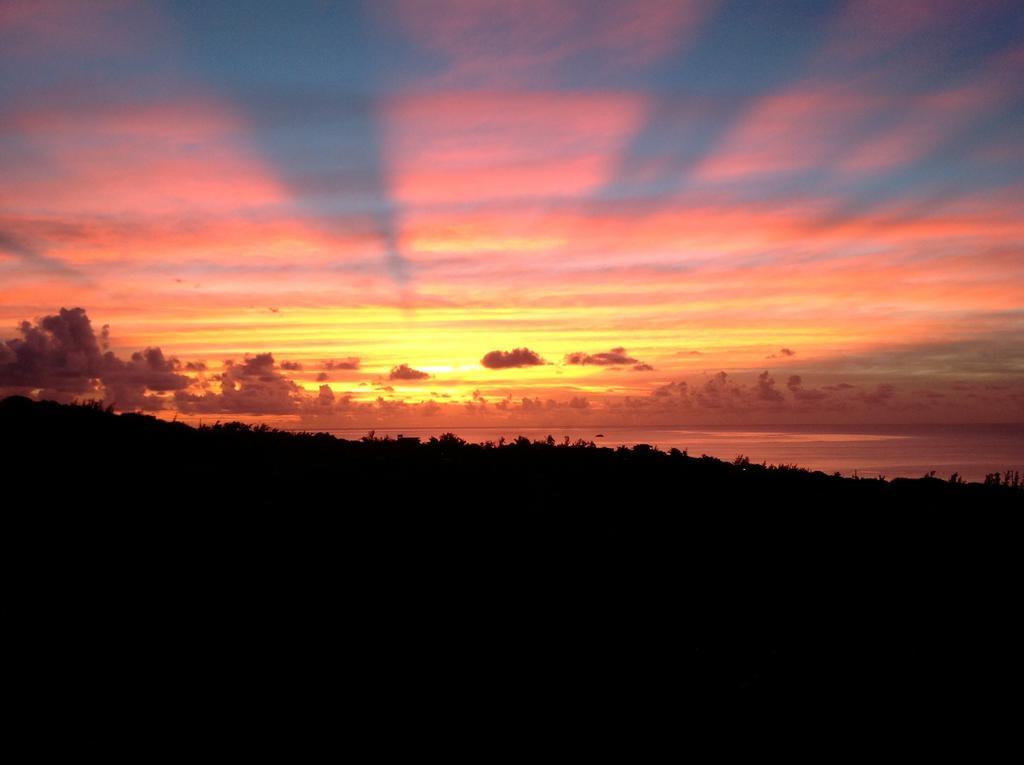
(867, 451)
(803, 451)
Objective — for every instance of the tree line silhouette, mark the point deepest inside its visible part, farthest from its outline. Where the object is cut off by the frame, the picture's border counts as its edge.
(596, 569)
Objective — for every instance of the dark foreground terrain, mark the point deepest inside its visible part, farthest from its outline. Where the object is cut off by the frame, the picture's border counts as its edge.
(389, 572)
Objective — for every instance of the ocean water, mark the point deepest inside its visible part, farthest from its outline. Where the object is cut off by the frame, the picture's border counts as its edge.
(887, 450)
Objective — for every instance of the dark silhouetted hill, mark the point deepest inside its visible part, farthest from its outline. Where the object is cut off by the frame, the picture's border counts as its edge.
(535, 568)
(135, 460)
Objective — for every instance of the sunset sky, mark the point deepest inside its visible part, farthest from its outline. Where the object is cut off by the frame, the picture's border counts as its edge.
(432, 213)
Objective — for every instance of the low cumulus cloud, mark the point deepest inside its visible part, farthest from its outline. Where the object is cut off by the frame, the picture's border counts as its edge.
(62, 358)
(61, 353)
(256, 386)
(718, 392)
(672, 390)
(517, 357)
(325, 397)
(126, 382)
(724, 394)
(795, 384)
(766, 390)
(405, 372)
(612, 358)
(350, 363)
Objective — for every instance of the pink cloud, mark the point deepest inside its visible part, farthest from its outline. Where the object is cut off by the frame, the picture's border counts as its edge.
(472, 147)
(927, 121)
(501, 44)
(139, 158)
